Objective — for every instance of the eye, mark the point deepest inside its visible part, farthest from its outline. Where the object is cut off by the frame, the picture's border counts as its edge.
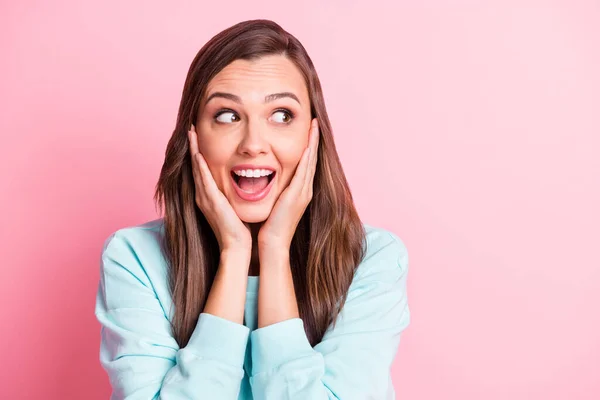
(227, 119)
(287, 115)
(226, 116)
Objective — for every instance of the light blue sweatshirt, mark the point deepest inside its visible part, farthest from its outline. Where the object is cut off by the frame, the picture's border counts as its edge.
(226, 360)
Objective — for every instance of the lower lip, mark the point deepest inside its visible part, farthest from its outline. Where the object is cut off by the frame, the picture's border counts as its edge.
(252, 196)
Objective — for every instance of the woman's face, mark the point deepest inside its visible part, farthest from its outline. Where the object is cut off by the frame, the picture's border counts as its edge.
(258, 114)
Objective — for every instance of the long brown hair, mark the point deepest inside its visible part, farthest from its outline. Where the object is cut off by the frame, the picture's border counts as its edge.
(329, 241)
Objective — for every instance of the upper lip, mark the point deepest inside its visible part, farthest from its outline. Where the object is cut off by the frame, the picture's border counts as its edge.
(252, 166)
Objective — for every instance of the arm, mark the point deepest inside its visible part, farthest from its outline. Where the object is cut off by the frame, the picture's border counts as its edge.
(276, 295)
(137, 350)
(353, 360)
(227, 297)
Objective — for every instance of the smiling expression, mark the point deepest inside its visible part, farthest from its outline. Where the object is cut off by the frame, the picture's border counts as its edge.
(258, 113)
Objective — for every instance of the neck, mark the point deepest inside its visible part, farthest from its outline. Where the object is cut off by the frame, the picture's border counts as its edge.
(254, 262)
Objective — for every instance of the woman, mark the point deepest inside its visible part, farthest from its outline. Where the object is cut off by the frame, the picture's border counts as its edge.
(252, 190)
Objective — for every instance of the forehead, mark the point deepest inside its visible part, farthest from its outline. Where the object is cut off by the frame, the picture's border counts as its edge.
(253, 80)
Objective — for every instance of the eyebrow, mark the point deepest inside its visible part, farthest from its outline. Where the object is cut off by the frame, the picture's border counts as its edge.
(237, 99)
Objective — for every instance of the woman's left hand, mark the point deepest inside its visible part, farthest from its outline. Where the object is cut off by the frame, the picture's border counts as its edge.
(278, 230)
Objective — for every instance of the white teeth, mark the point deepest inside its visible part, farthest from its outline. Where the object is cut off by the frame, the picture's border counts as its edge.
(253, 173)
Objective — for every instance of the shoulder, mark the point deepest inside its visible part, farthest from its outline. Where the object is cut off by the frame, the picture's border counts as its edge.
(142, 238)
(377, 299)
(144, 233)
(137, 250)
(149, 227)
(385, 253)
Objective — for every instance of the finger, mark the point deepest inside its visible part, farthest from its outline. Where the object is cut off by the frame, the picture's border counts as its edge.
(207, 179)
(193, 151)
(298, 179)
(314, 141)
(308, 171)
(203, 171)
(193, 137)
(314, 145)
(314, 138)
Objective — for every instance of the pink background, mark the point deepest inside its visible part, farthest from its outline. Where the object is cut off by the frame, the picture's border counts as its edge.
(471, 129)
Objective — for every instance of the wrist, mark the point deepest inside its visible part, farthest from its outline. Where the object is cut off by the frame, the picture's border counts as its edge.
(273, 244)
(273, 254)
(235, 255)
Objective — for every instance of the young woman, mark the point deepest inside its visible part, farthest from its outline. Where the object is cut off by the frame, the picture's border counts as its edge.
(260, 281)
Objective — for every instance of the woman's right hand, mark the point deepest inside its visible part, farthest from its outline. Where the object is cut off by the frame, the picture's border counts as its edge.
(231, 232)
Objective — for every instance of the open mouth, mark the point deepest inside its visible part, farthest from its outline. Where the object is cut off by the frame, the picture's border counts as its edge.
(252, 189)
(236, 178)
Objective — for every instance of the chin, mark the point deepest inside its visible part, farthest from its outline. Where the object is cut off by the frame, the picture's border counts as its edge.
(253, 213)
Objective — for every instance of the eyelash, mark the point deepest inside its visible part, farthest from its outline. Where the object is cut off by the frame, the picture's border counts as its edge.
(224, 110)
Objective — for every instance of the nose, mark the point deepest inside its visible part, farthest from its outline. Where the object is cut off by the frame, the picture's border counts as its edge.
(253, 141)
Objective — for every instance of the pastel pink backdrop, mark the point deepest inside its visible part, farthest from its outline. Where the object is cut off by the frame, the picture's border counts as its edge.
(470, 129)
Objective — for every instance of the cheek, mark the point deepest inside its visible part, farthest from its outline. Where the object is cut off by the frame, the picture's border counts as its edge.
(217, 158)
(215, 151)
(289, 151)
(289, 163)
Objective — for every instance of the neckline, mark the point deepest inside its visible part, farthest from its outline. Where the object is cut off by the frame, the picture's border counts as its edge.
(252, 286)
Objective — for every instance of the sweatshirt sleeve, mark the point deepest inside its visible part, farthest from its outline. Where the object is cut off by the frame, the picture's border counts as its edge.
(137, 350)
(353, 360)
